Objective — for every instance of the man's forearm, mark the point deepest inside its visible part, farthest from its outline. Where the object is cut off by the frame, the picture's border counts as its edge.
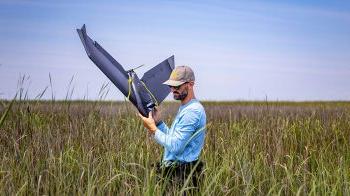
(162, 127)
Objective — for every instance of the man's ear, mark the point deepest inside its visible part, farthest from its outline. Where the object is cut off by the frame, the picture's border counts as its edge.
(190, 85)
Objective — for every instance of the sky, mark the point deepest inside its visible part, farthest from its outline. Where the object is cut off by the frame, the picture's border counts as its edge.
(239, 50)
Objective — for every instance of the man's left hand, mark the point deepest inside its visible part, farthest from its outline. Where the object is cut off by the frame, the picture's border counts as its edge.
(149, 122)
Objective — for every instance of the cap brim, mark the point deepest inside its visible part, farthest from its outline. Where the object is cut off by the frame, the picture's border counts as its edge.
(173, 83)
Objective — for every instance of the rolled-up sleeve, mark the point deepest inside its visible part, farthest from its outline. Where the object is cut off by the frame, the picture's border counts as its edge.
(183, 131)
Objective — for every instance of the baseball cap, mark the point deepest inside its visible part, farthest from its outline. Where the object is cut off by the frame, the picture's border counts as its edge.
(180, 75)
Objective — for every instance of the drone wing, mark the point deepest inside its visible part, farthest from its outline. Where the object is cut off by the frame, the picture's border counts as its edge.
(106, 63)
(155, 77)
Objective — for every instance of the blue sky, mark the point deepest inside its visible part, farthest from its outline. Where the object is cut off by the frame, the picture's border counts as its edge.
(239, 50)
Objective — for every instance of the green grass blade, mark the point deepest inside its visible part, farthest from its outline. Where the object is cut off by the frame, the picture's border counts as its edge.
(3, 117)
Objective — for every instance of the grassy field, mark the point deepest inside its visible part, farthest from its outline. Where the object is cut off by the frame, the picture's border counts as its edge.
(251, 148)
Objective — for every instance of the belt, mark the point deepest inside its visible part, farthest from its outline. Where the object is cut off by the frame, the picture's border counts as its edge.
(170, 163)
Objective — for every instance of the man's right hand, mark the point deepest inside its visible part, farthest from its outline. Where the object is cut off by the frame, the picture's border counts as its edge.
(149, 122)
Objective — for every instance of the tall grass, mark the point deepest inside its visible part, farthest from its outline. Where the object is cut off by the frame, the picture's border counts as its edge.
(89, 148)
(99, 147)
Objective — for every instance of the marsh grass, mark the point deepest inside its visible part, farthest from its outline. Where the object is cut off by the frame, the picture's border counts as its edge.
(101, 148)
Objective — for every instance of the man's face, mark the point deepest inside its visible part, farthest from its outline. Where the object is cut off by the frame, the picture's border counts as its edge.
(180, 92)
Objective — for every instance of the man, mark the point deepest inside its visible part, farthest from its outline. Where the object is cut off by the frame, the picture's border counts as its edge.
(184, 140)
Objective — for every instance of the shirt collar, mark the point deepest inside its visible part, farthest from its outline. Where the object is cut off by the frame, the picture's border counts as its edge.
(188, 103)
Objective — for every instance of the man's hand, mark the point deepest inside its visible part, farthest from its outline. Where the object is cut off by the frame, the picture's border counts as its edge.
(149, 122)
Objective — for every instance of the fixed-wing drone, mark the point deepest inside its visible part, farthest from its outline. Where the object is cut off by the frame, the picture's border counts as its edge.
(144, 93)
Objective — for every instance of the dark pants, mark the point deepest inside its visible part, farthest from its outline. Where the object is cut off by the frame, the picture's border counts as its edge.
(178, 173)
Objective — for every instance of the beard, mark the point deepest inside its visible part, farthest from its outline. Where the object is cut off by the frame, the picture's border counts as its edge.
(180, 96)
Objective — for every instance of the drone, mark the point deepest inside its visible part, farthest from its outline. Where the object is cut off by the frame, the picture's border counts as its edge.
(145, 93)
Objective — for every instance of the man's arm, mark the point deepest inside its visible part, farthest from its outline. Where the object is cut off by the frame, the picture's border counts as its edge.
(185, 128)
(162, 127)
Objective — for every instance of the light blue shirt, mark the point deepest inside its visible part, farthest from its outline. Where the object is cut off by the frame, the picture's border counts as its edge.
(184, 141)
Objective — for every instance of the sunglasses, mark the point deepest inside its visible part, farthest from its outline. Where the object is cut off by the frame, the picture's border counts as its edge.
(177, 87)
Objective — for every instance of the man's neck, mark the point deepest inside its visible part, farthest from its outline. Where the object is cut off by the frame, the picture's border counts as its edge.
(187, 99)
